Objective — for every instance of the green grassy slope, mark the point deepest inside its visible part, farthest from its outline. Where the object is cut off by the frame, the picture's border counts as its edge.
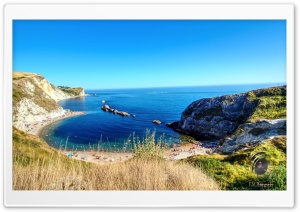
(271, 103)
(234, 172)
(71, 91)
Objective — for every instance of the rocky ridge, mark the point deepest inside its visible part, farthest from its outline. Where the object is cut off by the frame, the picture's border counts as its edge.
(35, 99)
(238, 119)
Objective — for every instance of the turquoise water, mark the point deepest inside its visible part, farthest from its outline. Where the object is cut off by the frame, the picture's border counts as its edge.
(108, 131)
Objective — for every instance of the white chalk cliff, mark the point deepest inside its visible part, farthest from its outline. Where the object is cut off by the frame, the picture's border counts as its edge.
(35, 99)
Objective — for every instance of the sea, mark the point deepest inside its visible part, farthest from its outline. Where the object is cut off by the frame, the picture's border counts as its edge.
(105, 131)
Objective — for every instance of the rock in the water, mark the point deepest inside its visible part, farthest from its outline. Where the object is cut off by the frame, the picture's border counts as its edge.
(105, 108)
(173, 125)
(156, 121)
(125, 114)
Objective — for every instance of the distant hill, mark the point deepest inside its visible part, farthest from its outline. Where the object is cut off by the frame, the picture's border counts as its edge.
(72, 91)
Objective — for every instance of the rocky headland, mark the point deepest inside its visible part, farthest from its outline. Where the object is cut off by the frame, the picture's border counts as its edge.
(35, 100)
(238, 120)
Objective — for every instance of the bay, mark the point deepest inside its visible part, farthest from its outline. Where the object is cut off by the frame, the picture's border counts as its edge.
(97, 129)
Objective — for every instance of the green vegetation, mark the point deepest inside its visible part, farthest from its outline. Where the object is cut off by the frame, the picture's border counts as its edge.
(234, 172)
(148, 148)
(71, 91)
(271, 103)
(18, 94)
(22, 75)
(28, 148)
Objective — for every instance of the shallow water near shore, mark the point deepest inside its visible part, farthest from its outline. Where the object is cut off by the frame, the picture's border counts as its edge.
(101, 130)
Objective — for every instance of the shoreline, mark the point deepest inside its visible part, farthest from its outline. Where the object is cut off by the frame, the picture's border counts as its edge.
(73, 97)
(37, 127)
(104, 157)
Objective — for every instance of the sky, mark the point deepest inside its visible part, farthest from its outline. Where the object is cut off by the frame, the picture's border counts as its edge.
(107, 54)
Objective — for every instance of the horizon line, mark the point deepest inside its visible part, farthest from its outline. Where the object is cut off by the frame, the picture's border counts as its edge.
(176, 86)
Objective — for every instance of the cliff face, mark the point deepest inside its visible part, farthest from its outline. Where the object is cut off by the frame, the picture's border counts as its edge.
(215, 118)
(35, 99)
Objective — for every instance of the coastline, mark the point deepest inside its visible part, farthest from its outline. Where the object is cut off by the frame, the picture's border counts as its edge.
(104, 157)
(73, 97)
(36, 128)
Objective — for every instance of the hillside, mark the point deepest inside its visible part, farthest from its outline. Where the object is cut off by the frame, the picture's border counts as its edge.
(36, 166)
(234, 172)
(72, 91)
(35, 99)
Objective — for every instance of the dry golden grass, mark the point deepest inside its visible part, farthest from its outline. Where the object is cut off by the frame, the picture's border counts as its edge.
(134, 174)
(36, 166)
(17, 75)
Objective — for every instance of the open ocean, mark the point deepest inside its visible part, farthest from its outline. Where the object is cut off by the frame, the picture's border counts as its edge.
(108, 131)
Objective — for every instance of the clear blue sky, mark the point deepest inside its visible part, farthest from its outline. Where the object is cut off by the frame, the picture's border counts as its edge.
(128, 54)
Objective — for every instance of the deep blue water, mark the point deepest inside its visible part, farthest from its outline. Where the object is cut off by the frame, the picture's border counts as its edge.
(111, 132)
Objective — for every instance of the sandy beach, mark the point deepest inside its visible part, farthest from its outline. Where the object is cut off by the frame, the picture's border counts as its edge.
(35, 128)
(102, 157)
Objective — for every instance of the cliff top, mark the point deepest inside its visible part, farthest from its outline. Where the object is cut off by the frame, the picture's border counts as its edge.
(21, 75)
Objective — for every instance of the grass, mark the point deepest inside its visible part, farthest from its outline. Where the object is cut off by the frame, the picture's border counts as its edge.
(36, 166)
(22, 75)
(148, 148)
(233, 172)
(71, 91)
(271, 103)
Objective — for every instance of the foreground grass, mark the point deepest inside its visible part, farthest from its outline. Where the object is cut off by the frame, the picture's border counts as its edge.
(233, 172)
(39, 167)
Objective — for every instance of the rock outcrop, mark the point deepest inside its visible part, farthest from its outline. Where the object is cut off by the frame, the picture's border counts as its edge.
(35, 99)
(250, 134)
(237, 120)
(216, 118)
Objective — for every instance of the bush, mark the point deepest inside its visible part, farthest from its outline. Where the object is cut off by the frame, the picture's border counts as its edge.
(148, 148)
